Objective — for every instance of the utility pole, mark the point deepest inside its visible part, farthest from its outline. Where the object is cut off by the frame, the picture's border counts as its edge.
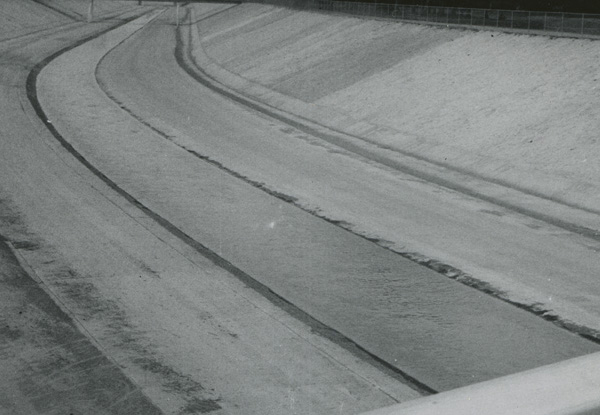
(91, 12)
(177, 13)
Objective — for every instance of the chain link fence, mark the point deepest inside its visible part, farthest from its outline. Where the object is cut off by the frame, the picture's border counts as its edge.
(566, 23)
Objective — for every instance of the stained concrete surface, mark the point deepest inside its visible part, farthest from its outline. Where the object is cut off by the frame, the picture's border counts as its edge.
(48, 365)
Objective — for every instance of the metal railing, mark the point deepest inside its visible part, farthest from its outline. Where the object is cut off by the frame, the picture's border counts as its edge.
(570, 387)
(561, 23)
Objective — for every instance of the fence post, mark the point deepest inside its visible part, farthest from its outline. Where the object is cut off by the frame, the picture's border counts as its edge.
(529, 21)
(498, 19)
(582, 22)
(545, 16)
(512, 18)
(562, 22)
(471, 17)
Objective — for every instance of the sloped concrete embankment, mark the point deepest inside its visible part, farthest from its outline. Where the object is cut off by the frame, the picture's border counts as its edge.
(516, 110)
(78, 10)
(47, 362)
(20, 18)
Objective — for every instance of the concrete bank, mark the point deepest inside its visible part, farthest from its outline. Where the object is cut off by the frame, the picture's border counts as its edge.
(48, 365)
(494, 115)
(20, 18)
(48, 362)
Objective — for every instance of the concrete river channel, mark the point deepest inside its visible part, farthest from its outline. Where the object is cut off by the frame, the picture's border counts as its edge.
(418, 322)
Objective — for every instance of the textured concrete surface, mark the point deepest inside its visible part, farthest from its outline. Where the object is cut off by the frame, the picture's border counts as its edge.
(160, 308)
(566, 202)
(48, 365)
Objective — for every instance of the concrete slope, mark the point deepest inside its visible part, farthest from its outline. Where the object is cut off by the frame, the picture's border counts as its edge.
(18, 17)
(521, 266)
(310, 55)
(514, 109)
(49, 362)
(510, 107)
(78, 9)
